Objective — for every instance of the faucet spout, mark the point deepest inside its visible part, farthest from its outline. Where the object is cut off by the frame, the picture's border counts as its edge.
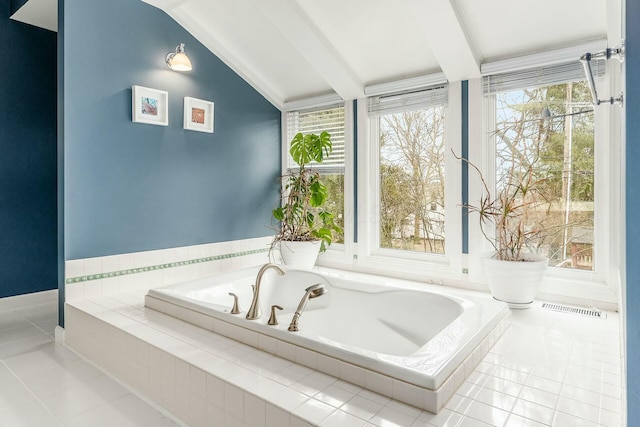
(312, 291)
(254, 311)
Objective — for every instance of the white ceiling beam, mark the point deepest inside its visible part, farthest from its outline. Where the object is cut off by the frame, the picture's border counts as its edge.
(445, 30)
(299, 29)
(219, 48)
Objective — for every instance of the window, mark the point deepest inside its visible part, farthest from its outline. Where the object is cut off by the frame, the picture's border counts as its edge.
(552, 129)
(332, 120)
(411, 169)
(409, 203)
(544, 120)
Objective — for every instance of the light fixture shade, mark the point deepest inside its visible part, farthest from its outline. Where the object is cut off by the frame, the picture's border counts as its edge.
(178, 60)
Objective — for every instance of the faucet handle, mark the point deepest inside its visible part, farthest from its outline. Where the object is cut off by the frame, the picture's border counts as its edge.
(236, 308)
(272, 319)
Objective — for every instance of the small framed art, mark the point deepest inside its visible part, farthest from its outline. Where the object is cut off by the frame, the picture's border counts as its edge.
(198, 115)
(149, 106)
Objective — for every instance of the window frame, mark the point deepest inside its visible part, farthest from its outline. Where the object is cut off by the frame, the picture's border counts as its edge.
(455, 268)
(336, 252)
(578, 285)
(399, 262)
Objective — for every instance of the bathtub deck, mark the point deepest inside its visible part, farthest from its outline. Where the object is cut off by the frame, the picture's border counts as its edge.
(547, 369)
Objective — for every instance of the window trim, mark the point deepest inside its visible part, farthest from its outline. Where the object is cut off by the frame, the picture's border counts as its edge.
(577, 286)
(464, 270)
(421, 265)
(336, 252)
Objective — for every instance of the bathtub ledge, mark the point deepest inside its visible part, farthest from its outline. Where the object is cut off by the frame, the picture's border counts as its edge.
(423, 398)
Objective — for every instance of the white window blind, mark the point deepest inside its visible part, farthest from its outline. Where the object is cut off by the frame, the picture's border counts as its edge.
(317, 120)
(539, 76)
(408, 101)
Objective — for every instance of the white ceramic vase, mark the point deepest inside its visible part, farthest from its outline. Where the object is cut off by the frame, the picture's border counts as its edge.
(301, 255)
(515, 282)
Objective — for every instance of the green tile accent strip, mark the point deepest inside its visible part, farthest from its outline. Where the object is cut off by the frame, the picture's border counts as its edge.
(162, 266)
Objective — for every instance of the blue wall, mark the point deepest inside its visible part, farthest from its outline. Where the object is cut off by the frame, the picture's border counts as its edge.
(632, 106)
(134, 187)
(27, 158)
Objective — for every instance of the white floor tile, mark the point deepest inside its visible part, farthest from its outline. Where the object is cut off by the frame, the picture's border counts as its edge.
(472, 422)
(342, 419)
(504, 386)
(610, 419)
(11, 320)
(14, 393)
(82, 397)
(563, 420)
(496, 399)
(51, 381)
(539, 397)
(445, 418)
(24, 345)
(314, 411)
(40, 313)
(334, 396)
(391, 417)
(543, 356)
(578, 409)
(43, 358)
(533, 411)
(518, 421)
(361, 407)
(31, 414)
(13, 334)
(581, 395)
(48, 326)
(544, 384)
(487, 414)
(5, 373)
(128, 411)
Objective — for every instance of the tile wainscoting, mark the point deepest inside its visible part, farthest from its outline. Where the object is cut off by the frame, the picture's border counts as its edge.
(93, 277)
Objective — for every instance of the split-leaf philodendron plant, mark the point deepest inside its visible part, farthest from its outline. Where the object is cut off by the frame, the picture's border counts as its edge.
(303, 195)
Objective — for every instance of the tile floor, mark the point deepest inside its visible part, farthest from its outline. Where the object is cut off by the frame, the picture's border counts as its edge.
(548, 369)
(46, 385)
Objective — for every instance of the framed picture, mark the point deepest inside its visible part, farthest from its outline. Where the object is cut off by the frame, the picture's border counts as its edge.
(198, 115)
(149, 106)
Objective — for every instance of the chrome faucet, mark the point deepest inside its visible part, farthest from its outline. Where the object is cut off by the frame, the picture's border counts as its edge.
(312, 291)
(254, 310)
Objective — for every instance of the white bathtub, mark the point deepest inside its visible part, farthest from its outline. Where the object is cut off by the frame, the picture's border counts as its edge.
(384, 326)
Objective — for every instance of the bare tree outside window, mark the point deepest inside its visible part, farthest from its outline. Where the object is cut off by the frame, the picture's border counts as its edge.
(412, 179)
(552, 128)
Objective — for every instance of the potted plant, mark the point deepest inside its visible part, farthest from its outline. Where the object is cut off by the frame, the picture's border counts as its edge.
(306, 229)
(513, 221)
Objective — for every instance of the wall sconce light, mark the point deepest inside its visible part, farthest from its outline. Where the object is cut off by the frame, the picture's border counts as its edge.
(178, 60)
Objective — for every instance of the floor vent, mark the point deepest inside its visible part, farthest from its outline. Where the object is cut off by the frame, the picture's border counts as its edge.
(575, 310)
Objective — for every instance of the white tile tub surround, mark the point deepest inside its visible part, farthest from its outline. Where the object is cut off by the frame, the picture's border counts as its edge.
(424, 380)
(546, 366)
(84, 277)
(420, 397)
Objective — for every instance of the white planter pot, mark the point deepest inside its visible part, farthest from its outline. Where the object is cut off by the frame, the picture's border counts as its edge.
(302, 255)
(515, 282)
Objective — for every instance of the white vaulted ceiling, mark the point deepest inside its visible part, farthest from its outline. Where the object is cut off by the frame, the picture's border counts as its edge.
(294, 49)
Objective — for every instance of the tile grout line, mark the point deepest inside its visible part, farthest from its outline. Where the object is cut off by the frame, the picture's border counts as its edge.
(37, 399)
